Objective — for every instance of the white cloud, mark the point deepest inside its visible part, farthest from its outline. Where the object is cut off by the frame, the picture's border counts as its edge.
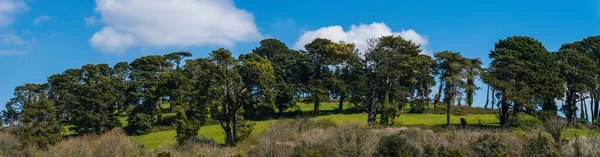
(162, 23)
(359, 35)
(9, 8)
(111, 41)
(90, 20)
(41, 19)
(12, 44)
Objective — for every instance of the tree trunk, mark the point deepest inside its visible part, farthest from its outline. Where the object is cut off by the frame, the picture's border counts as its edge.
(229, 132)
(437, 98)
(316, 110)
(569, 108)
(487, 97)
(341, 103)
(371, 110)
(493, 98)
(592, 107)
(585, 113)
(504, 111)
(281, 109)
(448, 114)
(596, 106)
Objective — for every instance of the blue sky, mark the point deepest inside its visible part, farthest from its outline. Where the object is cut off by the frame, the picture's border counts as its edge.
(41, 37)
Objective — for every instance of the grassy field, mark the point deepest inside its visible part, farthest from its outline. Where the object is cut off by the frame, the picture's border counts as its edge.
(215, 132)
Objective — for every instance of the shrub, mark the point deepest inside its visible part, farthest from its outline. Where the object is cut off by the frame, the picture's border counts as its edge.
(395, 146)
(539, 146)
(489, 145)
(164, 154)
(555, 126)
(313, 154)
(454, 153)
(201, 140)
(524, 120)
(114, 144)
(582, 146)
(352, 140)
(72, 147)
(10, 145)
(203, 150)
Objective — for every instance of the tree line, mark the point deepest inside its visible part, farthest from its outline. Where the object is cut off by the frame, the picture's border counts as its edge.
(391, 75)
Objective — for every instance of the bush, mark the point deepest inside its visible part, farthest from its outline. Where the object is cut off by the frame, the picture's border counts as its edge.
(72, 147)
(539, 146)
(454, 153)
(201, 140)
(352, 141)
(114, 143)
(10, 145)
(555, 126)
(164, 154)
(582, 146)
(489, 145)
(395, 146)
(523, 120)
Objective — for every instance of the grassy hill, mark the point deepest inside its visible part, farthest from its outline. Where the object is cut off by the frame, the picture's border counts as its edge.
(156, 139)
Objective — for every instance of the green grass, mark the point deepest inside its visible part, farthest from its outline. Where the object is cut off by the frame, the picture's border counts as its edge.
(571, 133)
(155, 139)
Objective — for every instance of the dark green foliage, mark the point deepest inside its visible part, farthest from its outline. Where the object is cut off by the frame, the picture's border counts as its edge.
(524, 120)
(395, 146)
(454, 153)
(10, 115)
(522, 71)
(578, 71)
(236, 83)
(139, 124)
(94, 109)
(282, 60)
(539, 146)
(390, 85)
(164, 154)
(39, 123)
(490, 146)
(144, 92)
(456, 73)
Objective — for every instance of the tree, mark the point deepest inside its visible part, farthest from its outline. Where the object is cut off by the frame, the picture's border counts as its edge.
(11, 113)
(143, 91)
(96, 107)
(387, 69)
(421, 79)
(120, 74)
(23, 96)
(522, 71)
(199, 92)
(282, 60)
(40, 125)
(453, 67)
(577, 70)
(474, 70)
(236, 83)
(345, 72)
(591, 47)
(321, 55)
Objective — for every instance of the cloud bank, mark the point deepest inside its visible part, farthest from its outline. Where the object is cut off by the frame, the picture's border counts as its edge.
(359, 34)
(164, 23)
